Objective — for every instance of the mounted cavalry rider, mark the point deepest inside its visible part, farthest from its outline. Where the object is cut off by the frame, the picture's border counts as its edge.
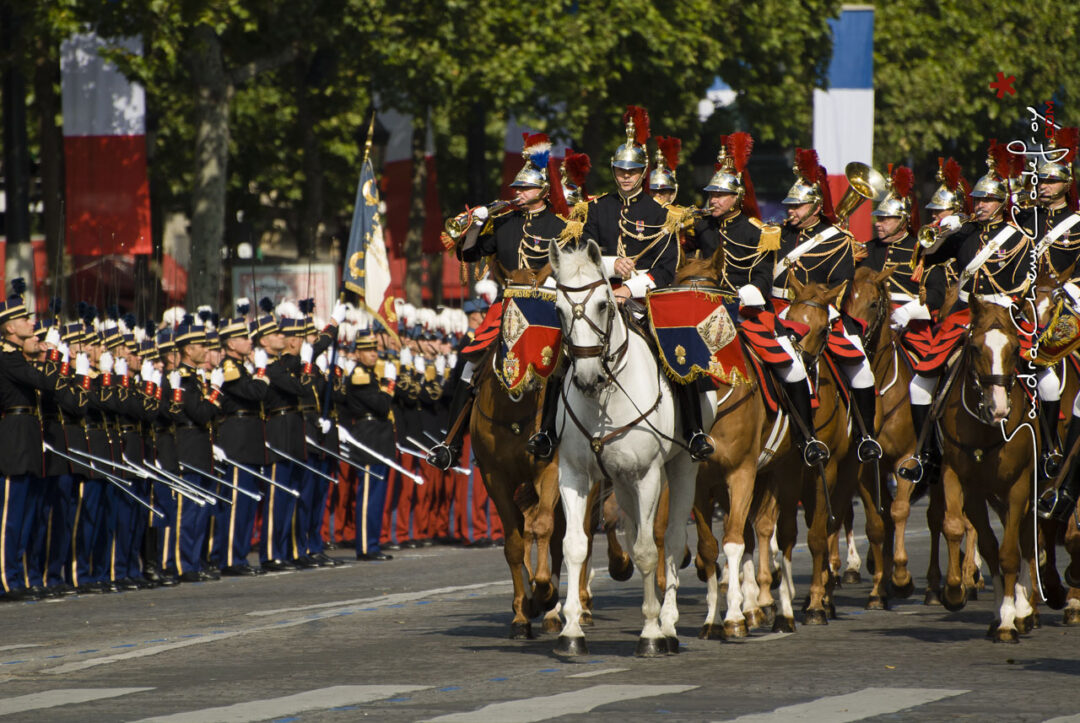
(814, 249)
(1057, 229)
(994, 258)
(748, 255)
(517, 239)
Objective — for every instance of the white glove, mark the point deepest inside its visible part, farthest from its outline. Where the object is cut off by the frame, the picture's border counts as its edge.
(174, 379)
(324, 425)
(120, 367)
(217, 377)
(405, 356)
(65, 352)
(322, 362)
(750, 295)
(52, 337)
(390, 371)
(349, 366)
(219, 453)
(156, 377)
(338, 314)
(904, 313)
(420, 364)
(306, 352)
(440, 365)
(341, 361)
(952, 223)
(1073, 291)
(146, 373)
(105, 363)
(249, 366)
(480, 216)
(451, 360)
(82, 364)
(260, 358)
(201, 374)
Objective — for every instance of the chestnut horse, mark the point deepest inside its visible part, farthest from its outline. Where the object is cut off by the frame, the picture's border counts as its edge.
(499, 427)
(990, 449)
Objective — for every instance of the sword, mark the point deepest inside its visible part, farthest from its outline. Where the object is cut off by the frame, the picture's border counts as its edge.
(344, 434)
(295, 461)
(255, 473)
(342, 458)
(212, 494)
(181, 485)
(146, 472)
(422, 454)
(122, 484)
(253, 495)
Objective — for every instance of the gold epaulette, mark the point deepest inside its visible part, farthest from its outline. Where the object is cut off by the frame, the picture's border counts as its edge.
(8, 347)
(429, 373)
(380, 369)
(231, 370)
(769, 240)
(580, 211)
(185, 372)
(676, 217)
(571, 231)
(360, 376)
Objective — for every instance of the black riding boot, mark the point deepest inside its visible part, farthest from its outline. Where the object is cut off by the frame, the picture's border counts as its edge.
(688, 401)
(928, 456)
(446, 454)
(1051, 452)
(1058, 504)
(866, 402)
(542, 444)
(814, 450)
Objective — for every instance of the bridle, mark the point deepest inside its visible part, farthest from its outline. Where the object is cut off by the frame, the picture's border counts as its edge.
(577, 313)
(811, 360)
(982, 381)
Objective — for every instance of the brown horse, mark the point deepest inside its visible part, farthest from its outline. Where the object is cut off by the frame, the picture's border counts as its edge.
(499, 427)
(869, 300)
(989, 457)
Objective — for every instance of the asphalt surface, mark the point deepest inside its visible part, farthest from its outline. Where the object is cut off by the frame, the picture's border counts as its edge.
(425, 637)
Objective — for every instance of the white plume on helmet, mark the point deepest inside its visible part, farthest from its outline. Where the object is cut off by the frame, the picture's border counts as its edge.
(173, 316)
(487, 289)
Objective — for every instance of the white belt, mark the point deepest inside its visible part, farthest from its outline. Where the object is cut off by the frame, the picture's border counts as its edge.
(780, 293)
(1003, 300)
(901, 297)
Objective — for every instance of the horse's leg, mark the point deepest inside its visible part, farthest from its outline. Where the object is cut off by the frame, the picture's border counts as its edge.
(573, 492)
(553, 619)
(834, 551)
(1071, 616)
(784, 516)
(639, 500)
(1027, 614)
(853, 562)
(901, 583)
(708, 550)
(514, 551)
(740, 484)
(620, 565)
(1003, 629)
(935, 521)
(592, 521)
(972, 562)
(953, 594)
(681, 473)
(817, 540)
(1054, 591)
(875, 535)
(659, 530)
(545, 578)
(1009, 557)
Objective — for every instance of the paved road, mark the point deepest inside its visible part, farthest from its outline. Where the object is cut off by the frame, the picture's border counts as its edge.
(424, 638)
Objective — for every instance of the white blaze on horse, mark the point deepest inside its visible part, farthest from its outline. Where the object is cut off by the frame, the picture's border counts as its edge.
(617, 421)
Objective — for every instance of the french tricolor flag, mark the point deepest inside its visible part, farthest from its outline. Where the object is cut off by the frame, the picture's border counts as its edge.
(107, 192)
(844, 114)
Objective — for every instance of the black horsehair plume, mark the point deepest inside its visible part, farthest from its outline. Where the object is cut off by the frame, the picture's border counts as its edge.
(188, 320)
(130, 321)
(56, 305)
(266, 305)
(306, 306)
(204, 315)
(18, 286)
(243, 307)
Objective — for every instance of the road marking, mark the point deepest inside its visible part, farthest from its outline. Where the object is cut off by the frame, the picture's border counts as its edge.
(863, 704)
(61, 696)
(1064, 719)
(384, 600)
(764, 638)
(256, 710)
(594, 673)
(18, 647)
(528, 710)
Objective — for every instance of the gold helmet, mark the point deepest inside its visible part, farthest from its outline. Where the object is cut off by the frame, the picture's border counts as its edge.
(952, 193)
(897, 199)
(1057, 161)
(536, 151)
(633, 154)
(995, 183)
(574, 170)
(731, 174)
(808, 179)
(662, 177)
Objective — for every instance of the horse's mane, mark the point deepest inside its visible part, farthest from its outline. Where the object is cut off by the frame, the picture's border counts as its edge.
(985, 315)
(528, 277)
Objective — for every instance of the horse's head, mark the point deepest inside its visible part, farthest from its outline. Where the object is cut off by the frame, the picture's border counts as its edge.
(587, 314)
(528, 277)
(869, 298)
(995, 349)
(1047, 283)
(811, 307)
(697, 271)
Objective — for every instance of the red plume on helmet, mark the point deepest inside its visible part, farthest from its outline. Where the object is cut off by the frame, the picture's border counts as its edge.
(1003, 164)
(670, 147)
(950, 172)
(577, 167)
(739, 146)
(827, 211)
(555, 194)
(806, 161)
(903, 183)
(640, 117)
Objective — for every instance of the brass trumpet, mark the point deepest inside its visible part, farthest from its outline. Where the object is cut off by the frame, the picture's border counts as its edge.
(459, 224)
(864, 183)
(930, 236)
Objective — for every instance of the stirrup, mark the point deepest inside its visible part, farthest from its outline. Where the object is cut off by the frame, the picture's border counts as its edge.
(1052, 505)
(1052, 460)
(441, 456)
(868, 449)
(700, 446)
(815, 452)
(914, 473)
(540, 445)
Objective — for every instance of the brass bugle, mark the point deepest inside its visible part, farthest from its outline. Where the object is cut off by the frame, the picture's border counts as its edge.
(930, 236)
(459, 224)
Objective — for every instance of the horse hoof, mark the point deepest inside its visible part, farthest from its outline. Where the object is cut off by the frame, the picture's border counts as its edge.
(571, 646)
(877, 602)
(952, 602)
(672, 644)
(586, 619)
(521, 631)
(806, 603)
(621, 574)
(651, 647)
(783, 625)
(815, 617)
(933, 597)
(710, 631)
(755, 619)
(834, 582)
(1071, 617)
(1006, 635)
(852, 577)
(903, 592)
(736, 629)
(552, 624)
(1023, 625)
(687, 559)
(1036, 621)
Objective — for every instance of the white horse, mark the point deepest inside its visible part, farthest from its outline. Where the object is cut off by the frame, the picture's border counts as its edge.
(617, 421)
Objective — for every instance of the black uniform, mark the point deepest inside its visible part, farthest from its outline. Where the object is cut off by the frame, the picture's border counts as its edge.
(367, 407)
(745, 261)
(831, 262)
(193, 422)
(519, 239)
(284, 425)
(1004, 272)
(636, 228)
(240, 432)
(897, 255)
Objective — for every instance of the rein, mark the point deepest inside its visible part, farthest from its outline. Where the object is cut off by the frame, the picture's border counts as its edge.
(575, 351)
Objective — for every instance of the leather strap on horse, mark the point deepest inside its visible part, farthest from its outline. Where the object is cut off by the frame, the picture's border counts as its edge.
(939, 403)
